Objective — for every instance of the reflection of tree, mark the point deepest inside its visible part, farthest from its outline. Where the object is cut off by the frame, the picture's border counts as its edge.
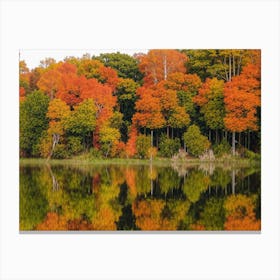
(147, 213)
(53, 221)
(156, 214)
(130, 177)
(168, 180)
(196, 183)
(33, 204)
(213, 214)
(220, 178)
(104, 219)
(119, 198)
(54, 181)
(240, 214)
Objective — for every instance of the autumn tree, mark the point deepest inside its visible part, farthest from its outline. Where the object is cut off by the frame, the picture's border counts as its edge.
(58, 113)
(125, 65)
(242, 98)
(82, 120)
(148, 113)
(186, 86)
(196, 143)
(210, 99)
(33, 122)
(157, 65)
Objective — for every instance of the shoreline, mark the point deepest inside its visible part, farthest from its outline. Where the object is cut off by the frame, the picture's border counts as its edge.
(240, 162)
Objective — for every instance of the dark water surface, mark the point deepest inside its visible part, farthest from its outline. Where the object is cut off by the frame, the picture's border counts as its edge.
(144, 197)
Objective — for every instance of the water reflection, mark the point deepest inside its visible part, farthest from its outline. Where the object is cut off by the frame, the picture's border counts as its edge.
(144, 197)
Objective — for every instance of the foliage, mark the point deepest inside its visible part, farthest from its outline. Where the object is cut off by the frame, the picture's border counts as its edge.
(168, 147)
(222, 148)
(213, 215)
(33, 122)
(109, 136)
(163, 90)
(196, 143)
(143, 143)
(83, 119)
(74, 145)
(126, 66)
(60, 151)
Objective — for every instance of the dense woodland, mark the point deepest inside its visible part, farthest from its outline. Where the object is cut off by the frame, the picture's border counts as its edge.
(166, 103)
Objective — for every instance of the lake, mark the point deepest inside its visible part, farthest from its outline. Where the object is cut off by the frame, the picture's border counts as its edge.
(111, 197)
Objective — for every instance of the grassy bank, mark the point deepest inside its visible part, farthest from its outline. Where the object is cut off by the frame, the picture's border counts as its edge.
(231, 161)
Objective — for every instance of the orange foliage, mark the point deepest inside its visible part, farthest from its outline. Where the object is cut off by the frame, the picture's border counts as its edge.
(130, 177)
(53, 222)
(183, 82)
(246, 223)
(49, 82)
(109, 76)
(242, 97)
(78, 224)
(131, 143)
(197, 226)
(104, 220)
(148, 109)
(21, 94)
(147, 214)
(118, 149)
(240, 213)
(159, 64)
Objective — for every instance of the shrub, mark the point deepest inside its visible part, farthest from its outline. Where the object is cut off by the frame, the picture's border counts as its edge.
(152, 152)
(74, 145)
(143, 144)
(196, 143)
(169, 147)
(60, 152)
(95, 153)
(222, 148)
(118, 150)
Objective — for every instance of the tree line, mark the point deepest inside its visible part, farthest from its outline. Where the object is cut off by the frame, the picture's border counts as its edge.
(117, 105)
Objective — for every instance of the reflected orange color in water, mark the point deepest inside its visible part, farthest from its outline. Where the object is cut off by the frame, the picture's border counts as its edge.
(240, 214)
(53, 222)
(104, 220)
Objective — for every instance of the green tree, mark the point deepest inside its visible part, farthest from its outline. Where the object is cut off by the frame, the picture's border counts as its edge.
(124, 64)
(196, 143)
(108, 136)
(143, 145)
(168, 147)
(82, 120)
(211, 101)
(33, 122)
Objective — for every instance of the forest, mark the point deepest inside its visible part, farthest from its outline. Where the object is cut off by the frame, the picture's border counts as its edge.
(180, 104)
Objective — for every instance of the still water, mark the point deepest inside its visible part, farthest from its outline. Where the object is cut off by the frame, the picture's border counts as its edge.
(139, 197)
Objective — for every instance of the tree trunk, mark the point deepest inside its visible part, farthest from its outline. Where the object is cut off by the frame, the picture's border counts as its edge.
(152, 187)
(54, 181)
(239, 138)
(55, 141)
(233, 181)
(249, 140)
(216, 136)
(152, 140)
(229, 62)
(167, 131)
(172, 132)
(165, 67)
(210, 135)
(233, 143)
(157, 139)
